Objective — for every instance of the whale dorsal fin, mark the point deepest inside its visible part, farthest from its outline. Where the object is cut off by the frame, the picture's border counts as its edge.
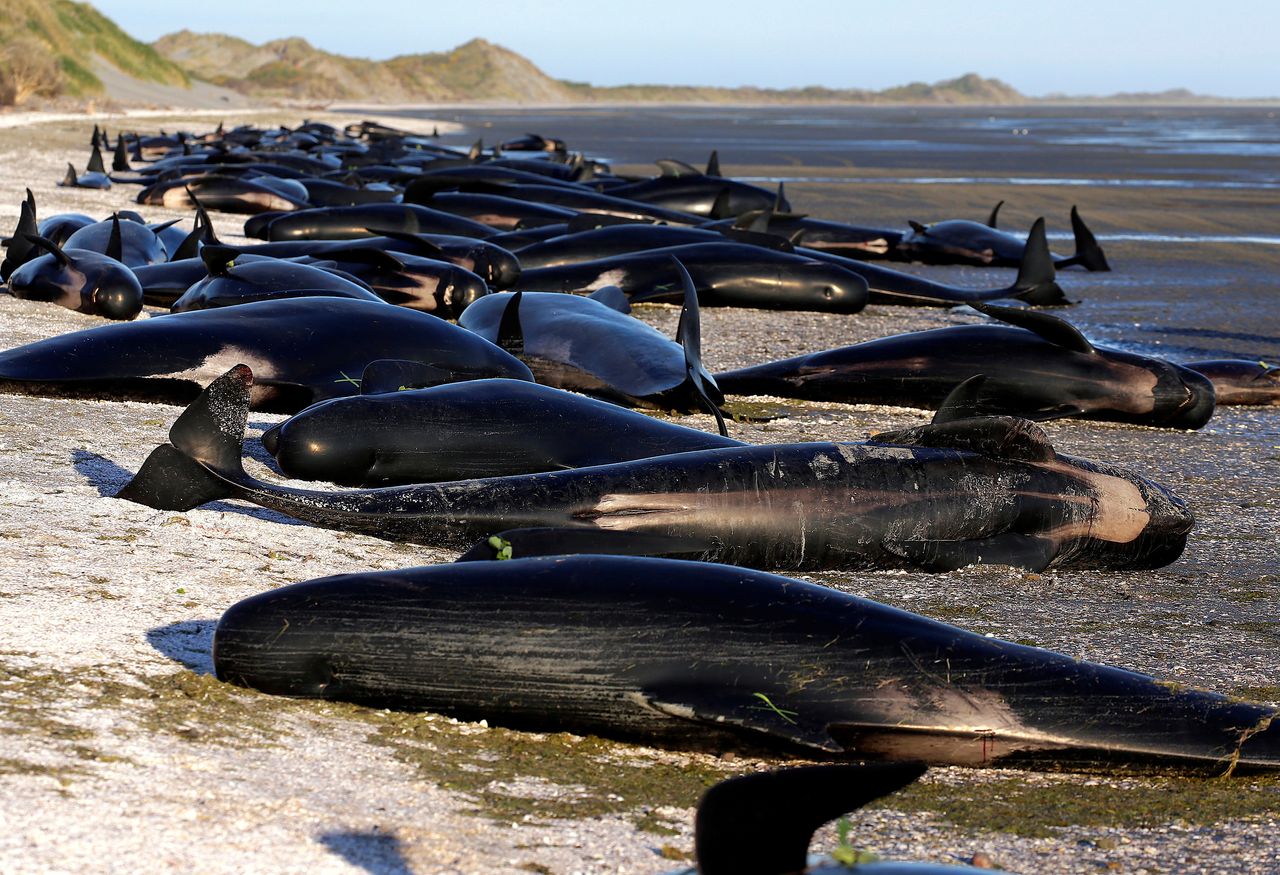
(613, 298)
(49, 246)
(917, 227)
(787, 805)
(477, 148)
(218, 258)
(720, 208)
(93, 138)
(95, 161)
(120, 161)
(995, 211)
(713, 164)
(780, 202)
(997, 437)
(961, 402)
(70, 178)
(672, 167)
(115, 246)
(1057, 331)
(689, 336)
(510, 334)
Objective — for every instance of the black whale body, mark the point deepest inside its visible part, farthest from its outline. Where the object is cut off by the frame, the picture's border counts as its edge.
(686, 652)
(590, 345)
(725, 274)
(307, 350)
(1035, 285)
(936, 498)
(961, 241)
(1039, 367)
(458, 431)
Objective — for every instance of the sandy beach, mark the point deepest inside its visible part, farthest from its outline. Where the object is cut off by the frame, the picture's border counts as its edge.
(122, 753)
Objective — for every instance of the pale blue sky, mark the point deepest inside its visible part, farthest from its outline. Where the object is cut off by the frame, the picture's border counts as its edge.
(1080, 47)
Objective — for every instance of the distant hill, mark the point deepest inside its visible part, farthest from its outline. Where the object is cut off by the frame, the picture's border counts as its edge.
(50, 48)
(62, 43)
(482, 71)
(293, 68)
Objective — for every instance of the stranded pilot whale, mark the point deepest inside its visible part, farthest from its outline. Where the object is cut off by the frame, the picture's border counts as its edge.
(690, 654)
(457, 431)
(1241, 381)
(88, 282)
(725, 274)
(1037, 366)
(960, 241)
(592, 345)
(307, 350)
(935, 497)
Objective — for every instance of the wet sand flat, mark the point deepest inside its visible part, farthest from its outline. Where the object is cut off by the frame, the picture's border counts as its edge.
(121, 753)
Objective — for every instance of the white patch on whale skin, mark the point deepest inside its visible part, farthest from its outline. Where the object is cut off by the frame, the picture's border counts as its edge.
(1117, 511)
(824, 466)
(615, 277)
(224, 360)
(855, 453)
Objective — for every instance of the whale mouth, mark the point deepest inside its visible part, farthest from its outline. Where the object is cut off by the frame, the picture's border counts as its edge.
(1195, 396)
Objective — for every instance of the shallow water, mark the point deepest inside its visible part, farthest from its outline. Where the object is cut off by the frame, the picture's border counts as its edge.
(1184, 200)
(1236, 145)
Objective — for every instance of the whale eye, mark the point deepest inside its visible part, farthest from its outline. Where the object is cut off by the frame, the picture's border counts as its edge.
(828, 292)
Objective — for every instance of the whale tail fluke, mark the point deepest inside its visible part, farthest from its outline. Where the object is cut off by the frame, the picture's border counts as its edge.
(1037, 282)
(207, 437)
(1089, 254)
(995, 214)
(18, 248)
(784, 808)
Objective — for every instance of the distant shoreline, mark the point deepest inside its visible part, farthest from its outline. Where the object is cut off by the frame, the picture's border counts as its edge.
(507, 106)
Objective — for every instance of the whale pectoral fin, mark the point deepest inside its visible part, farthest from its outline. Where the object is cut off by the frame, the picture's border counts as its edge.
(752, 711)
(1011, 548)
(961, 402)
(564, 541)
(674, 168)
(1057, 331)
(997, 437)
(613, 298)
